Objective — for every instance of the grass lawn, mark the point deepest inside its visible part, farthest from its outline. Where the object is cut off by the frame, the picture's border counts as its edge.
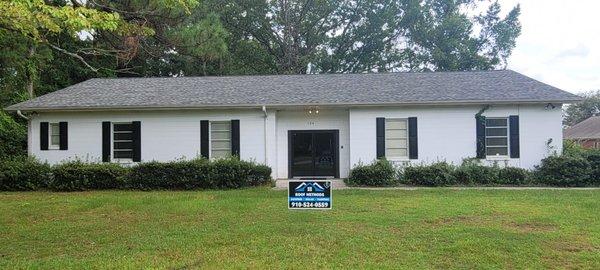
(252, 228)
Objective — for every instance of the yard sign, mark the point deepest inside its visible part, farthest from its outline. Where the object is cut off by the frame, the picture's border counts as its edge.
(309, 195)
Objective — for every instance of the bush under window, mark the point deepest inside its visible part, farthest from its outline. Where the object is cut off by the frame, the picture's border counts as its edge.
(378, 174)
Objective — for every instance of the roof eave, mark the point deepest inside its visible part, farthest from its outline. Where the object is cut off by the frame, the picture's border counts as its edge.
(248, 106)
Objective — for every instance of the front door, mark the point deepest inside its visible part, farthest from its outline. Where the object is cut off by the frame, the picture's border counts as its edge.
(313, 153)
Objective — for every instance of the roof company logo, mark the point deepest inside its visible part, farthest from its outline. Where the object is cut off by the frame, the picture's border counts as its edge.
(309, 187)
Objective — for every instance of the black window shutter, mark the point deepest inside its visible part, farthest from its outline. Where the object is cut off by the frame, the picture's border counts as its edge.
(380, 137)
(137, 141)
(105, 141)
(480, 126)
(204, 138)
(413, 145)
(64, 135)
(235, 138)
(44, 136)
(515, 151)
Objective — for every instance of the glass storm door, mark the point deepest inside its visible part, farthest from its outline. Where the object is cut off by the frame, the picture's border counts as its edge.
(313, 153)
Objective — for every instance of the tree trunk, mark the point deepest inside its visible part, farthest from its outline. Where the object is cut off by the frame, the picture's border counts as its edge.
(30, 72)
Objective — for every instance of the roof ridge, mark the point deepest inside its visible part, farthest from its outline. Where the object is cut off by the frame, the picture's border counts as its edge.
(309, 74)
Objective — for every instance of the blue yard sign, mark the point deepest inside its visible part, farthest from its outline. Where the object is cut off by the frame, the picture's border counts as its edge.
(309, 195)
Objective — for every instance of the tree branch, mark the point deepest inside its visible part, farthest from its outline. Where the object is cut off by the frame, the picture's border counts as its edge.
(75, 56)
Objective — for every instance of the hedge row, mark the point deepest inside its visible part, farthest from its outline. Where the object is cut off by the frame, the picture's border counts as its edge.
(468, 174)
(22, 173)
(579, 170)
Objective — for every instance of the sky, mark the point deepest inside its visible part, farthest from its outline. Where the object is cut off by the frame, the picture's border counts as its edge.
(559, 43)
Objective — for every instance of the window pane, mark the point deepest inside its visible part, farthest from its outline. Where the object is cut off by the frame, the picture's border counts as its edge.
(496, 131)
(395, 124)
(223, 126)
(497, 142)
(220, 153)
(55, 140)
(123, 127)
(396, 152)
(221, 135)
(123, 136)
(123, 145)
(123, 154)
(495, 122)
(54, 129)
(220, 139)
(221, 145)
(398, 143)
(497, 151)
(395, 134)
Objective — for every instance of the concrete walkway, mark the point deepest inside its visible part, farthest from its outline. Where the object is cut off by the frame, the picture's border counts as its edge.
(282, 184)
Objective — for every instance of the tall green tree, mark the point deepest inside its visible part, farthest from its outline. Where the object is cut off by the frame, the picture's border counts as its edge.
(332, 36)
(188, 38)
(590, 106)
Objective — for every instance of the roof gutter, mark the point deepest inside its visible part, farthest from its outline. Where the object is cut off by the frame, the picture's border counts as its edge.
(290, 105)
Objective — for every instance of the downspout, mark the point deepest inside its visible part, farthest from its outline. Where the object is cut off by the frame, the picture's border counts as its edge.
(264, 110)
(19, 113)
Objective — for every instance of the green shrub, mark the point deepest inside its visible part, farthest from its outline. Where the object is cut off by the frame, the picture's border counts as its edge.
(593, 157)
(379, 173)
(436, 174)
(169, 175)
(471, 173)
(13, 137)
(567, 171)
(572, 148)
(199, 173)
(231, 173)
(513, 176)
(259, 175)
(23, 173)
(77, 175)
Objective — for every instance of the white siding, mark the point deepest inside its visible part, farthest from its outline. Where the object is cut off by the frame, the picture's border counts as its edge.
(444, 133)
(165, 135)
(448, 133)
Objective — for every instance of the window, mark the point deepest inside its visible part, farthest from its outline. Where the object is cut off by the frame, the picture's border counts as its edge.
(496, 136)
(396, 138)
(54, 136)
(220, 139)
(123, 141)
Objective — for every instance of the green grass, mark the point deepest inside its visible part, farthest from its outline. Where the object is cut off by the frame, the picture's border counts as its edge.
(252, 228)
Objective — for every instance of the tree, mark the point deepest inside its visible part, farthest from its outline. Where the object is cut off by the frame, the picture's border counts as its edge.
(590, 106)
(35, 24)
(333, 36)
(189, 39)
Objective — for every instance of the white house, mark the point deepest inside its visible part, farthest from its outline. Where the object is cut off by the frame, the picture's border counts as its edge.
(302, 125)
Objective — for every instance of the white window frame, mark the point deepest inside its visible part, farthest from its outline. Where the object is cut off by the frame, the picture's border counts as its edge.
(496, 157)
(397, 158)
(210, 138)
(112, 143)
(52, 146)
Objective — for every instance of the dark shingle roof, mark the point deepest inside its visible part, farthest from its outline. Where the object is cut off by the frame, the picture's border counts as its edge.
(327, 89)
(586, 129)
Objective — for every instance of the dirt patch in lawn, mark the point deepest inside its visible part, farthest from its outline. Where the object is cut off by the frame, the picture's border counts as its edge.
(530, 227)
(466, 220)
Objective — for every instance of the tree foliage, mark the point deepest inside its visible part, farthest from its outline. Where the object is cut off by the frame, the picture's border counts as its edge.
(578, 112)
(332, 36)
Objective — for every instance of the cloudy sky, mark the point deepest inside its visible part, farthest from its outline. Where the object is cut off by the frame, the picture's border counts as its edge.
(559, 43)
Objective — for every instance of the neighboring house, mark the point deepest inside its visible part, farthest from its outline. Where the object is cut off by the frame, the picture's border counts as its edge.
(302, 125)
(586, 133)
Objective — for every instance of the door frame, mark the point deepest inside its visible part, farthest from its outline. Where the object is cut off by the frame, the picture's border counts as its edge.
(336, 149)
